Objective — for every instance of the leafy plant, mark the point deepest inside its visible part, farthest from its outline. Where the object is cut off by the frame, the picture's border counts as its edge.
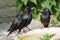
(47, 37)
(38, 5)
(55, 24)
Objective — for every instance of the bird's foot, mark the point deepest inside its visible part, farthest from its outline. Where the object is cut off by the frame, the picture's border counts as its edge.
(18, 34)
(24, 31)
(29, 29)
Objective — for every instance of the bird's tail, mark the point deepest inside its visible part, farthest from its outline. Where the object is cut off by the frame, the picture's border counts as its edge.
(45, 26)
(9, 33)
(10, 30)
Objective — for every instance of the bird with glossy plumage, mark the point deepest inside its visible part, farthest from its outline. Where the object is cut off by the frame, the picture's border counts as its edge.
(45, 17)
(16, 24)
(27, 17)
(21, 21)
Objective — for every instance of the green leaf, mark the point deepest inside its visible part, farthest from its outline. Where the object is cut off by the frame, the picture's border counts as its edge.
(18, 4)
(53, 2)
(35, 14)
(58, 11)
(46, 3)
(58, 20)
(25, 1)
(58, 7)
(46, 37)
(38, 7)
(34, 1)
(34, 11)
(57, 14)
(51, 35)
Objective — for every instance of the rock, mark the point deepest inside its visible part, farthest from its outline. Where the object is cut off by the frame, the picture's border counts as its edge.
(56, 37)
(38, 33)
(9, 11)
(5, 3)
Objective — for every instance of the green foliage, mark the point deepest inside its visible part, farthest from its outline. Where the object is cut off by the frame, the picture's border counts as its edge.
(55, 24)
(46, 4)
(47, 37)
(18, 4)
(34, 1)
(53, 5)
(58, 11)
(25, 1)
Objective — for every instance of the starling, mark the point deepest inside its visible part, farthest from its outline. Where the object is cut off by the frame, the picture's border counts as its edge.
(21, 21)
(27, 17)
(15, 24)
(45, 17)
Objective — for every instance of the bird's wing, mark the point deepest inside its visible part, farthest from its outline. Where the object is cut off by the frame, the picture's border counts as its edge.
(27, 20)
(14, 26)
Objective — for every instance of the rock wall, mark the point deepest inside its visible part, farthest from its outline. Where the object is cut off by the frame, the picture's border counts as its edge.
(7, 10)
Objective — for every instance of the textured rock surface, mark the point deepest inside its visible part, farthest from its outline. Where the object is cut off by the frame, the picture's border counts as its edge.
(7, 3)
(7, 9)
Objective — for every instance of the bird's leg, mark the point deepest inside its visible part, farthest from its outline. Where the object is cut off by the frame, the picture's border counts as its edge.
(19, 31)
(24, 30)
(28, 28)
(48, 26)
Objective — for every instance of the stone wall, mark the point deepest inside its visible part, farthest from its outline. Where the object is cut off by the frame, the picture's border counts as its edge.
(7, 10)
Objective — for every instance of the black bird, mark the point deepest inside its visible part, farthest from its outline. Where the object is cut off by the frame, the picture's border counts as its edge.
(20, 22)
(45, 17)
(27, 17)
(16, 24)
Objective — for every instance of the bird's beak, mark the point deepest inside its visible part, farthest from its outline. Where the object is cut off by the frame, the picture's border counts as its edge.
(32, 8)
(41, 11)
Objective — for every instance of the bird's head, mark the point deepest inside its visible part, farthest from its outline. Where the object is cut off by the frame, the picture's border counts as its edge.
(28, 9)
(46, 11)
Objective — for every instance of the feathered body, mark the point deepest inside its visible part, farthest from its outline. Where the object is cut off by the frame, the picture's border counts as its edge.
(28, 16)
(16, 24)
(21, 21)
(45, 17)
